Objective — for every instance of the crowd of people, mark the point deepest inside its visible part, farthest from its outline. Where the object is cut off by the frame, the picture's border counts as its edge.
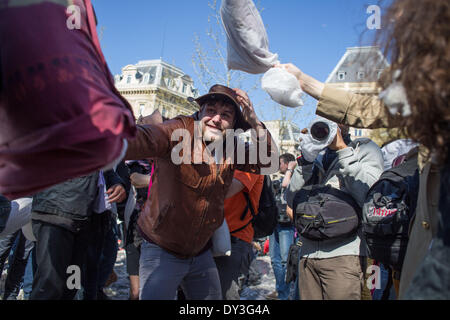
(319, 245)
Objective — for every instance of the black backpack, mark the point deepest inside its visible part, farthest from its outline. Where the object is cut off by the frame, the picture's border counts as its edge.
(323, 212)
(389, 207)
(267, 218)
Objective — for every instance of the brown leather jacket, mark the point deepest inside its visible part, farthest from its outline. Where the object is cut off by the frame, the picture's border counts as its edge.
(185, 205)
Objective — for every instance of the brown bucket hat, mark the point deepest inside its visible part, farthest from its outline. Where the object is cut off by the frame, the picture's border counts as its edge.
(218, 91)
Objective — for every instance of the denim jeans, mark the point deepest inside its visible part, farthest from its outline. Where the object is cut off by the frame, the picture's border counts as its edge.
(56, 249)
(21, 248)
(160, 274)
(384, 278)
(109, 253)
(279, 243)
(29, 274)
(296, 292)
(100, 227)
(234, 269)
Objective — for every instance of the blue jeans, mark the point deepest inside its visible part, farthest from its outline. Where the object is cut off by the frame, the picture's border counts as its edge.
(279, 243)
(384, 278)
(101, 254)
(160, 274)
(109, 254)
(21, 248)
(29, 275)
(234, 268)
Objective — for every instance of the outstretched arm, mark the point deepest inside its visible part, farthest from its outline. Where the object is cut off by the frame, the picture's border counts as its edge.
(288, 175)
(153, 141)
(341, 106)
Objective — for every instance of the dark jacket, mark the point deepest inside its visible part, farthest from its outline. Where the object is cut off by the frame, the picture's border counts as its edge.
(70, 204)
(432, 278)
(185, 205)
(5, 209)
(124, 173)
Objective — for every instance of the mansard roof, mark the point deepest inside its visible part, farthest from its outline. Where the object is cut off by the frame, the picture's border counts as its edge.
(359, 64)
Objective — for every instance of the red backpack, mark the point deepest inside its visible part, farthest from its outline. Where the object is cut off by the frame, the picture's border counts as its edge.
(60, 113)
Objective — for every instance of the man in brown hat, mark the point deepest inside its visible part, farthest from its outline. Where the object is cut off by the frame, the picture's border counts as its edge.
(185, 205)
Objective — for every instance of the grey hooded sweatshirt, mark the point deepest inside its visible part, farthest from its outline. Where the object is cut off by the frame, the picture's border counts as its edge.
(354, 170)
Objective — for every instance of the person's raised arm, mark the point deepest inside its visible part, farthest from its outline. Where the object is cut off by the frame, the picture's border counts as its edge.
(345, 107)
(262, 141)
(310, 85)
(288, 174)
(153, 141)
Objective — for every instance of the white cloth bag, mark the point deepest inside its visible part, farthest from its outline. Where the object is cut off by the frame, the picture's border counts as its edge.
(283, 87)
(248, 51)
(248, 44)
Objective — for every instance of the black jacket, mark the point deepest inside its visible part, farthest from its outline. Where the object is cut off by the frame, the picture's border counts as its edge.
(70, 204)
(5, 209)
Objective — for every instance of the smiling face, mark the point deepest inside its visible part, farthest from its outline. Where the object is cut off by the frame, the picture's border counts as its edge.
(216, 117)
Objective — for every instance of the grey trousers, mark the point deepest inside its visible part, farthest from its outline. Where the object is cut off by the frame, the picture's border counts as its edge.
(234, 268)
(161, 273)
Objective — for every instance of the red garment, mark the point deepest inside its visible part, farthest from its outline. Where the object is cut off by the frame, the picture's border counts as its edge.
(60, 114)
(235, 206)
(266, 247)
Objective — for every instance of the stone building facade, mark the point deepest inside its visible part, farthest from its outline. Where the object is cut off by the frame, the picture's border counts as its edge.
(155, 84)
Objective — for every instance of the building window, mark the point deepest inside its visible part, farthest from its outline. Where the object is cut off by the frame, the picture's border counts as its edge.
(361, 75)
(141, 109)
(146, 78)
(128, 79)
(341, 75)
(184, 88)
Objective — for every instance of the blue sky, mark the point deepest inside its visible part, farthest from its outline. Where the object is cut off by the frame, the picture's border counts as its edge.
(312, 34)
